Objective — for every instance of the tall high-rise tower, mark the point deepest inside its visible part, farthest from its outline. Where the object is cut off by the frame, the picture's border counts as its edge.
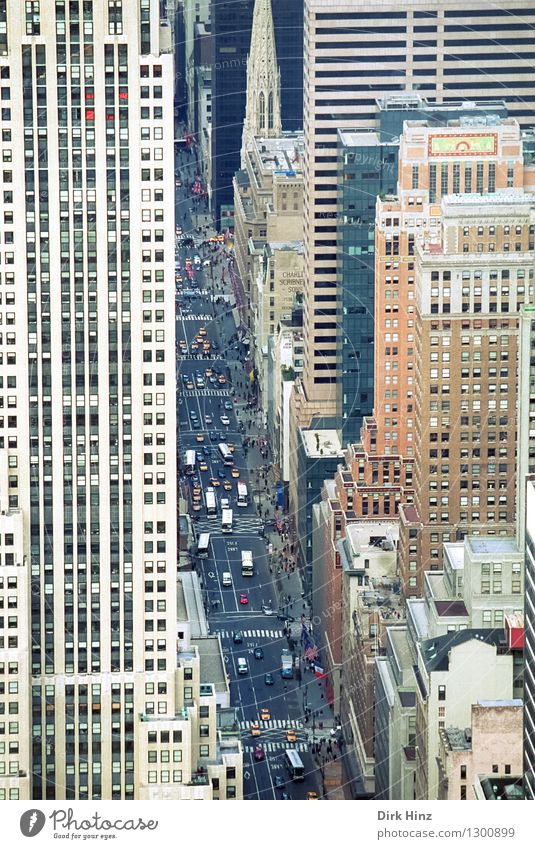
(87, 289)
(425, 47)
(262, 106)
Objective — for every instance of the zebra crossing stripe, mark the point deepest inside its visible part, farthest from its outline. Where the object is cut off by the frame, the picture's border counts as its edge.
(272, 635)
(275, 747)
(273, 724)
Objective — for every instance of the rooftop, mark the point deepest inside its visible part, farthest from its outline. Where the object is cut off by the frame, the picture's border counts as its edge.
(212, 665)
(322, 443)
(359, 138)
(289, 245)
(181, 609)
(492, 545)
(499, 703)
(455, 607)
(282, 155)
(407, 698)
(499, 198)
(398, 639)
(416, 610)
(458, 739)
(454, 554)
(193, 604)
(330, 488)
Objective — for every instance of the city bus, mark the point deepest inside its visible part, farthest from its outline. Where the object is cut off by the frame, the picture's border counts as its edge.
(242, 494)
(226, 454)
(226, 521)
(203, 545)
(211, 508)
(294, 765)
(189, 466)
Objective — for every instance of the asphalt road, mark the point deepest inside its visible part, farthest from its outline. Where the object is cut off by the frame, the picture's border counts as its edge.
(227, 616)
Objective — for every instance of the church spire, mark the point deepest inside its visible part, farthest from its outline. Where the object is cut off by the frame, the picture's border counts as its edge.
(262, 109)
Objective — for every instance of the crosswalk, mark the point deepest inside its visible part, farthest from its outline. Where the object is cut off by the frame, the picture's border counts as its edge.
(255, 633)
(199, 393)
(241, 525)
(276, 747)
(196, 317)
(273, 725)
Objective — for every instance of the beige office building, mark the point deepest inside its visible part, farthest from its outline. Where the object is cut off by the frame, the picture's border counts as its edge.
(354, 54)
(88, 645)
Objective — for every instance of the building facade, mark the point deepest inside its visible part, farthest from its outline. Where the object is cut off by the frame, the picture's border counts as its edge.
(492, 744)
(529, 680)
(427, 48)
(87, 356)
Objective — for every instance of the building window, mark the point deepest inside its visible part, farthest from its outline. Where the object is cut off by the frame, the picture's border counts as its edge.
(442, 692)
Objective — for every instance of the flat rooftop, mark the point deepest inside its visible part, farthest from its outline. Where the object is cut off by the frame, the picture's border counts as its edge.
(212, 665)
(360, 138)
(330, 489)
(492, 545)
(502, 197)
(181, 609)
(454, 552)
(194, 608)
(400, 647)
(322, 443)
(289, 245)
(282, 154)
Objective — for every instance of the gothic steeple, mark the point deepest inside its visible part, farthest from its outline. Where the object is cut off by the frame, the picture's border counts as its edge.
(262, 109)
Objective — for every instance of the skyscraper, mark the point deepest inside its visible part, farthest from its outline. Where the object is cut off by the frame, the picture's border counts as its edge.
(88, 444)
(231, 28)
(430, 49)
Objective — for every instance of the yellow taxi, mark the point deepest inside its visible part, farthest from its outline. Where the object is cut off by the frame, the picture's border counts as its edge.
(194, 346)
(221, 379)
(209, 372)
(255, 729)
(203, 466)
(200, 437)
(196, 506)
(215, 482)
(291, 736)
(227, 486)
(196, 490)
(231, 447)
(311, 796)
(199, 339)
(235, 472)
(206, 346)
(202, 331)
(265, 714)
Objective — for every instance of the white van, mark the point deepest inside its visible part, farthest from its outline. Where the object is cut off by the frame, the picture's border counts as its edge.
(226, 579)
(243, 667)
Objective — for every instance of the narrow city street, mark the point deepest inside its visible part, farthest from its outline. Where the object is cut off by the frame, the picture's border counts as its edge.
(252, 614)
